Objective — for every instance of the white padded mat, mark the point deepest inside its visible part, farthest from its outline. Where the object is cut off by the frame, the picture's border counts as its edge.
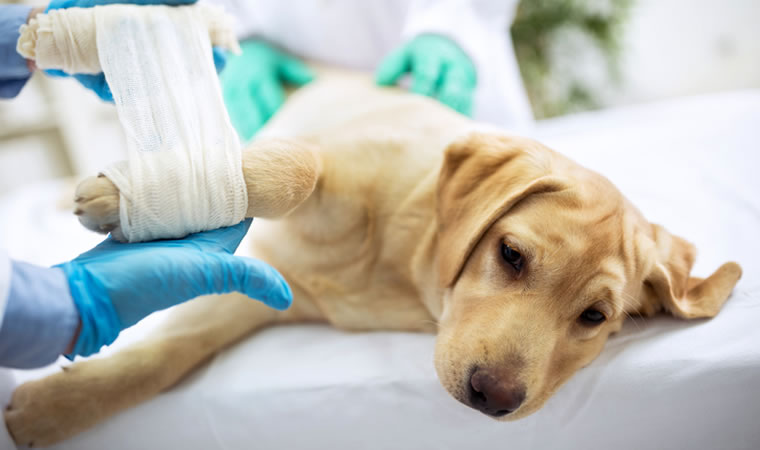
(689, 164)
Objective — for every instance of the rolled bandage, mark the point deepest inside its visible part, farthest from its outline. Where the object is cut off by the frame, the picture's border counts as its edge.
(65, 39)
(184, 172)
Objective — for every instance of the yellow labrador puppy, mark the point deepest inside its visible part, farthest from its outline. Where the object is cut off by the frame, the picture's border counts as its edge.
(396, 213)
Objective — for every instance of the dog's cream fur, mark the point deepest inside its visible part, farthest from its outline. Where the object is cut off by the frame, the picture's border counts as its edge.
(395, 214)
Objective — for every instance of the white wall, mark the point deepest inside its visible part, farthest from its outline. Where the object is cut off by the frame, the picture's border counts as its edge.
(684, 47)
(55, 128)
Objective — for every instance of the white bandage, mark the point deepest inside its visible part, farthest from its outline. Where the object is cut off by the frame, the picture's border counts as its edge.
(65, 39)
(184, 172)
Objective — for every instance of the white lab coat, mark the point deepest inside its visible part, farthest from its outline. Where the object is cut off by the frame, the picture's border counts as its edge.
(7, 382)
(7, 385)
(5, 281)
(359, 34)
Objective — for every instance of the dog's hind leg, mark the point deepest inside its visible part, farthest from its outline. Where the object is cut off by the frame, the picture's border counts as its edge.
(51, 409)
(279, 175)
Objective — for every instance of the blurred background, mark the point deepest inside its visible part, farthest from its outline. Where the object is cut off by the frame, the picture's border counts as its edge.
(574, 55)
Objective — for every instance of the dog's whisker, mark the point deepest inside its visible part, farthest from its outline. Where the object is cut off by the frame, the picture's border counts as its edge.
(628, 300)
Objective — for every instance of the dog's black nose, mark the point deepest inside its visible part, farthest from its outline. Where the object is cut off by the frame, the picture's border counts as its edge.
(495, 393)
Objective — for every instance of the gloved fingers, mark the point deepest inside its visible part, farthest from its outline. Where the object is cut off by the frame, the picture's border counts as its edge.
(225, 239)
(250, 121)
(243, 110)
(108, 244)
(160, 2)
(56, 73)
(457, 89)
(62, 4)
(294, 71)
(393, 67)
(96, 83)
(269, 96)
(140, 2)
(220, 58)
(426, 74)
(254, 278)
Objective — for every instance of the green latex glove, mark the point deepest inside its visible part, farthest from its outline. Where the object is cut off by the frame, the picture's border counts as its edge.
(439, 69)
(252, 84)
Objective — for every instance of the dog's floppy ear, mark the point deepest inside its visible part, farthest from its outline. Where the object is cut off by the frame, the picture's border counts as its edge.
(482, 177)
(669, 286)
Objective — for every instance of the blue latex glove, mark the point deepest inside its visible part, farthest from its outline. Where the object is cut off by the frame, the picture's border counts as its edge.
(114, 285)
(439, 69)
(97, 83)
(62, 4)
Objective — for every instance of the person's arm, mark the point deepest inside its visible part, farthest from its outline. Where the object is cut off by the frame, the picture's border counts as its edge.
(459, 51)
(97, 82)
(84, 304)
(41, 319)
(14, 69)
(5, 281)
(253, 84)
(468, 23)
(443, 39)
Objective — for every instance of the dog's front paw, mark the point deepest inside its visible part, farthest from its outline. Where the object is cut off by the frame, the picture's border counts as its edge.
(43, 412)
(97, 205)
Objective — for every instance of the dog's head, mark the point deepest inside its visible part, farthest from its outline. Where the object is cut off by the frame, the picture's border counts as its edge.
(540, 260)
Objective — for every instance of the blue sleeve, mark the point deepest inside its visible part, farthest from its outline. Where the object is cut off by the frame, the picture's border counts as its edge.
(40, 317)
(13, 69)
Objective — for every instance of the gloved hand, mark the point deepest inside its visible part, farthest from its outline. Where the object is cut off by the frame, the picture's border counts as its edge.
(439, 69)
(252, 84)
(97, 83)
(114, 285)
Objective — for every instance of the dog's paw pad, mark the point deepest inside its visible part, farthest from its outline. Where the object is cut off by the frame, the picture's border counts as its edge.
(97, 206)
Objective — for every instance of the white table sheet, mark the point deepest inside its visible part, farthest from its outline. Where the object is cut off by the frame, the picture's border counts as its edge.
(689, 164)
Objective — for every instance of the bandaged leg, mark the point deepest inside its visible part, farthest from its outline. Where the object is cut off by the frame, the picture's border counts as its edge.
(279, 174)
(66, 39)
(184, 172)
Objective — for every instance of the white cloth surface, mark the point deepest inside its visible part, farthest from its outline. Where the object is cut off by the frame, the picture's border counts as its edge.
(5, 281)
(689, 164)
(7, 383)
(6, 375)
(359, 35)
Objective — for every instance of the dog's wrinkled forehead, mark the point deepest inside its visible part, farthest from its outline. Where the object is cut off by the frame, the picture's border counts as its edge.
(487, 177)
(572, 241)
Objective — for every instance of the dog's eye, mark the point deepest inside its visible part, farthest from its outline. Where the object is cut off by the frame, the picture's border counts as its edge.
(512, 257)
(592, 317)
